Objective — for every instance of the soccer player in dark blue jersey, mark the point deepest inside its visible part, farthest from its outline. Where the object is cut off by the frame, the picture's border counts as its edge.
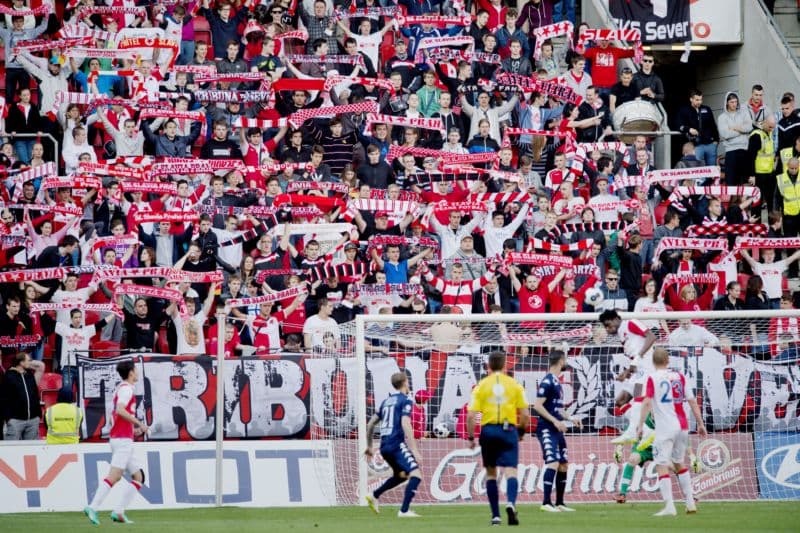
(550, 430)
(398, 446)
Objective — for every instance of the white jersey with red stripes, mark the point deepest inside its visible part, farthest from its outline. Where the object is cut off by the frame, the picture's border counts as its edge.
(669, 392)
(123, 397)
(633, 334)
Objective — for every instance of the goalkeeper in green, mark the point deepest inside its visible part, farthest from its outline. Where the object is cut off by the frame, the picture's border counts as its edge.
(641, 453)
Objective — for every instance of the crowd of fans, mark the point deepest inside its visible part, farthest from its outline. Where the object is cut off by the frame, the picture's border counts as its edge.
(195, 141)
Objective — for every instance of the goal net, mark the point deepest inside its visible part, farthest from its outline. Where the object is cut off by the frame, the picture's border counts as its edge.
(744, 369)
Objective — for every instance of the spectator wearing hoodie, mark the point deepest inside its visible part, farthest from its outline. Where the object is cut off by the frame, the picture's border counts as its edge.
(535, 14)
(734, 126)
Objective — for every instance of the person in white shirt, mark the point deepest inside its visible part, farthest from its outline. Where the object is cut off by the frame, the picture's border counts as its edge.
(452, 234)
(606, 206)
(75, 339)
(688, 334)
(771, 273)
(79, 146)
(189, 327)
(317, 325)
(70, 294)
(651, 302)
(568, 207)
(368, 43)
(495, 233)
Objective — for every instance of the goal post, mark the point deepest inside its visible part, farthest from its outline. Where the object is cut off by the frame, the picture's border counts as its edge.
(744, 371)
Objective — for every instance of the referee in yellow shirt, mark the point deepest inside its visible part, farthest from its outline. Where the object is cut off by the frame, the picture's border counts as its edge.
(504, 421)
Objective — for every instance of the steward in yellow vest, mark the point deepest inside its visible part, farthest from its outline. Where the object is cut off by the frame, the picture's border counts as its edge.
(789, 188)
(761, 150)
(63, 419)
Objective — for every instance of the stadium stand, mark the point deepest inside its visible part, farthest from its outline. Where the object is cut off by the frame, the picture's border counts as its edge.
(300, 163)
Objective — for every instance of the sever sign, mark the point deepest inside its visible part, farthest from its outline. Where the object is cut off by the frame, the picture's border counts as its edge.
(778, 460)
(30, 478)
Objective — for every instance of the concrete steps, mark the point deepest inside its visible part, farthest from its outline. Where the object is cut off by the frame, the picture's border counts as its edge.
(786, 18)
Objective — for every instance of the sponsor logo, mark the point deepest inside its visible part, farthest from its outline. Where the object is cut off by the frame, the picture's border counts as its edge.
(713, 454)
(782, 466)
(720, 470)
(31, 480)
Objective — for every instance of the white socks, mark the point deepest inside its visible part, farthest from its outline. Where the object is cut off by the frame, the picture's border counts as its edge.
(100, 495)
(665, 486)
(131, 490)
(685, 481)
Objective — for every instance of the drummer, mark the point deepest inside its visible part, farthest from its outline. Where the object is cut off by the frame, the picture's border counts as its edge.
(623, 91)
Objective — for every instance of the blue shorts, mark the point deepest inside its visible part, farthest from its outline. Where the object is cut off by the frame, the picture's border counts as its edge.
(554, 445)
(400, 459)
(499, 447)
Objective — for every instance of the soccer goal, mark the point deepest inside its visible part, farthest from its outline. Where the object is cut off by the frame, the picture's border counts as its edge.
(744, 369)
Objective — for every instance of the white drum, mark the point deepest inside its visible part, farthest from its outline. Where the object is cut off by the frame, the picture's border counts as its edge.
(638, 116)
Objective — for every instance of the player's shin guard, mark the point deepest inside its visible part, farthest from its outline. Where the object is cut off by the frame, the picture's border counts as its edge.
(561, 486)
(389, 484)
(627, 476)
(549, 478)
(665, 486)
(494, 496)
(130, 493)
(512, 486)
(102, 492)
(411, 490)
(685, 481)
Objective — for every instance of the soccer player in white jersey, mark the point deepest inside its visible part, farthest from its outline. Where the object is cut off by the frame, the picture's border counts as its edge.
(666, 392)
(123, 422)
(637, 342)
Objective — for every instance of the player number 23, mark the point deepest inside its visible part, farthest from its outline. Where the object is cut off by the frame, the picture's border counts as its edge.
(671, 391)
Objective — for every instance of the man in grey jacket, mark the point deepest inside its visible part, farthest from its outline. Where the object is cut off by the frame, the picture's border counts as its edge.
(734, 125)
(127, 140)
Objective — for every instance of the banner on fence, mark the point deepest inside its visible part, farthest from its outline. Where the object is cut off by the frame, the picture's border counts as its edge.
(282, 396)
(38, 477)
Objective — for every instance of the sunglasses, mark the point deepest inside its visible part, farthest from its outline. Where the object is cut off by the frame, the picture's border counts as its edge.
(277, 12)
(647, 60)
(612, 279)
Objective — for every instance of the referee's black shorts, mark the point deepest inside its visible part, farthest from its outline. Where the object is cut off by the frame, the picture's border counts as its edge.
(499, 446)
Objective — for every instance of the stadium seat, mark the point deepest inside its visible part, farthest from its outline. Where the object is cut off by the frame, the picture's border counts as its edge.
(105, 349)
(742, 279)
(50, 381)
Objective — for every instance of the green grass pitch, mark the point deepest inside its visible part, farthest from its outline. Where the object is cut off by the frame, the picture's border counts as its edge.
(598, 518)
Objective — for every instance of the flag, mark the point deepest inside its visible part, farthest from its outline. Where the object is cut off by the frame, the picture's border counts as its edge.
(660, 21)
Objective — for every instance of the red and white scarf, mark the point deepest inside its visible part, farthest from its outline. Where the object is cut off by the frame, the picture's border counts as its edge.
(339, 188)
(293, 292)
(544, 33)
(437, 42)
(675, 176)
(764, 242)
(719, 228)
(681, 243)
(549, 87)
(631, 35)
(686, 279)
(539, 244)
(582, 149)
(450, 158)
(525, 258)
(424, 123)
(144, 217)
(115, 242)
(582, 332)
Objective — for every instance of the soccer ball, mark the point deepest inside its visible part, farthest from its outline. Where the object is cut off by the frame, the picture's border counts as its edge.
(594, 296)
(441, 431)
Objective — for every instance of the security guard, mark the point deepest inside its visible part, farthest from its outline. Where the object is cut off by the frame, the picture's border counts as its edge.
(761, 150)
(789, 189)
(64, 419)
